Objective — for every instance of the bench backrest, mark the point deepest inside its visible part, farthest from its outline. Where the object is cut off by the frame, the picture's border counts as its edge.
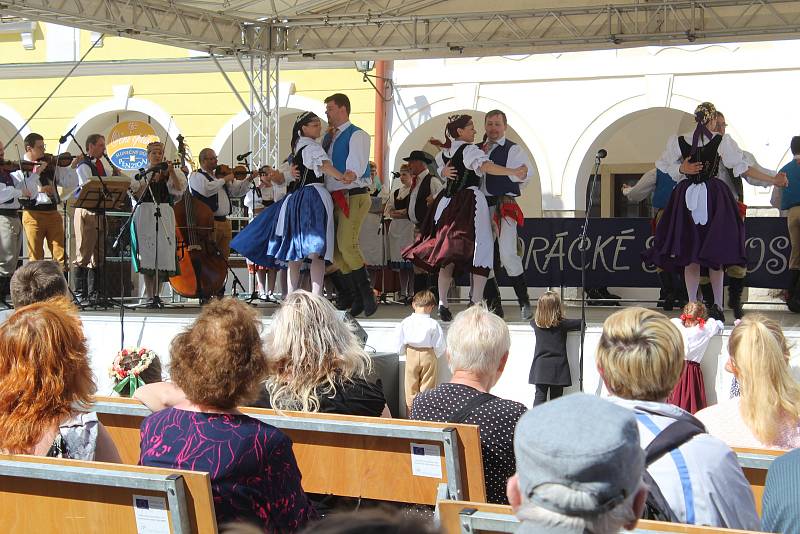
(755, 464)
(352, 456)
(461, 517)
(69, 496)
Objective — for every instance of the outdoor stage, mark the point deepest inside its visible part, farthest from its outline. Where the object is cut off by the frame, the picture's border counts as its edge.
(155, 329)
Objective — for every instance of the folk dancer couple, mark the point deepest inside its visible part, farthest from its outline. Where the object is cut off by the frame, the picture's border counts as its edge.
(320, 218)
(458, 233)
(702, 225)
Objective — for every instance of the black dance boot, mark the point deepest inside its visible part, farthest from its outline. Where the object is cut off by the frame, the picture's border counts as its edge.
(735, 288)
(793, 302)
(344, 290)
(5, 290)
(492, 295)
(521, 291)
(364, 300)
(668, 290)
(708, 295)
(93, 284)
(420, 282)
(715, 312)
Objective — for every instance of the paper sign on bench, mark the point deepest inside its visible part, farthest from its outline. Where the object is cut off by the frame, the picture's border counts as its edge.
(426, 460)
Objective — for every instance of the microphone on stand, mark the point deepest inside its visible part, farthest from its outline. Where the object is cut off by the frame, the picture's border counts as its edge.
(242, 157)
(63, 138)
(602, 153)
(159, 167)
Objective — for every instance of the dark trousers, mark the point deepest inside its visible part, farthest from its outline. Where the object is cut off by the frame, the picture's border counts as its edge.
(540, 397)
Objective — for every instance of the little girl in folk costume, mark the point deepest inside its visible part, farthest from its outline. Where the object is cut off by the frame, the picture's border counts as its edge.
(697, 330)
(458, 232)
(133, 368)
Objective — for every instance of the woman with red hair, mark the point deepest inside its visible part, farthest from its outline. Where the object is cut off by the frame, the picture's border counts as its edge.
(44, 374)
(458, 233)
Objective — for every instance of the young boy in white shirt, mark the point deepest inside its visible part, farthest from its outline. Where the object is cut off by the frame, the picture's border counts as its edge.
(422, 340)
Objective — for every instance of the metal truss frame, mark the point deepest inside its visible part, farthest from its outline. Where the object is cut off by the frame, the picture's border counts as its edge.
(369, 29)
(265, 31)
(264, 77)
(656, 22)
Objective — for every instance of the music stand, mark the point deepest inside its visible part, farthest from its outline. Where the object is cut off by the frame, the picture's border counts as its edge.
(99, 196)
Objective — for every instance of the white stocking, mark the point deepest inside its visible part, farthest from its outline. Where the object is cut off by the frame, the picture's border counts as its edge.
(445, 277)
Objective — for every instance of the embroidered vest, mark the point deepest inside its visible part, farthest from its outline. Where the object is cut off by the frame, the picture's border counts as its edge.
(464, 177)
(708, 155)
(423, 192)
(211, 201)
(497, 185)
(664, 186)
(8, 180)
(307, 176)
(341, 149)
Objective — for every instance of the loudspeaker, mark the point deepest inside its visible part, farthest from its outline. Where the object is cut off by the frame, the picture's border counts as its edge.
(361, 334)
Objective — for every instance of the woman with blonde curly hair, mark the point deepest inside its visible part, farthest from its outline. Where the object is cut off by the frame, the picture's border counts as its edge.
(767, 412)
(218, 363)
(44, 374)
(317, 363)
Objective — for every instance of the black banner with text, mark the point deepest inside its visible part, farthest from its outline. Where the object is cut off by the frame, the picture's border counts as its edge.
(552, 257)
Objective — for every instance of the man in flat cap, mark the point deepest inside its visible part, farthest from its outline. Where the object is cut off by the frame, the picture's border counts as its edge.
(579, 468)
(424, 189)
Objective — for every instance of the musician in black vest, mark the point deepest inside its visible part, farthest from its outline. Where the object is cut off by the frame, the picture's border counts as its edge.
(11, 190)
(90, 249)
(216, 193)
(425, 187)
(501, 193)
(40, 218)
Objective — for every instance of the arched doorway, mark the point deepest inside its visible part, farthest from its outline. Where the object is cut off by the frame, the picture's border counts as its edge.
(633, 143)
(234, 138)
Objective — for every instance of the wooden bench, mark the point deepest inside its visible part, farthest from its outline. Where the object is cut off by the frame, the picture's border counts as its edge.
(461, 517)
(347, 455)
(73, 497)
(755, 464)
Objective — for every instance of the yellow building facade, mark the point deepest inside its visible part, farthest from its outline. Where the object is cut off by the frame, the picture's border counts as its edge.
(177, 91)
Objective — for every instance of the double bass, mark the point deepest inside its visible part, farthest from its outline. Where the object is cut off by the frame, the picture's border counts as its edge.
(202, 269)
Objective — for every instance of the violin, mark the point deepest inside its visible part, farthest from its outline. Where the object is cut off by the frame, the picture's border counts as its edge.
(240, 172)
(12, 166)
(64, 159)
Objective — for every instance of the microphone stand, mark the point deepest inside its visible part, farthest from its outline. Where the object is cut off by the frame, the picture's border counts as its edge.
(126, 227)
(255, 193)
(584, 246)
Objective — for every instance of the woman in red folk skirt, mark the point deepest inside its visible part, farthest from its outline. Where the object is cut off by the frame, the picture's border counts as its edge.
(457, 234)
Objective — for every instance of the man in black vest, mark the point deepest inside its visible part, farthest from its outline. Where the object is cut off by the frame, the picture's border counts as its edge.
(501, 193)
(90, 247)
(216, 192)
(424, 189)
(11, 190)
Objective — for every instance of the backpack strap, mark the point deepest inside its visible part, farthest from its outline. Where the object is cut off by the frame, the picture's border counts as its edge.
(672, 437)
(471, 405)
(684, 428)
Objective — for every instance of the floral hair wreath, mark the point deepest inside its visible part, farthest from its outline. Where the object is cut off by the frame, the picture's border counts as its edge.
(129, 378)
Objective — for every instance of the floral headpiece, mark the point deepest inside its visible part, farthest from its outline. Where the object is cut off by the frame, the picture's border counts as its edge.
(129, 378)
(154, 145)
(689, 317)
(704, 113)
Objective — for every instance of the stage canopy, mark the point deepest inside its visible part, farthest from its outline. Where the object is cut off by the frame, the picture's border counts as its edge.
(407, 29)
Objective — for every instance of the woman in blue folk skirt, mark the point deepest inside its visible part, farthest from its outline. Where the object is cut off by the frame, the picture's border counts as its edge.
(300, 227)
